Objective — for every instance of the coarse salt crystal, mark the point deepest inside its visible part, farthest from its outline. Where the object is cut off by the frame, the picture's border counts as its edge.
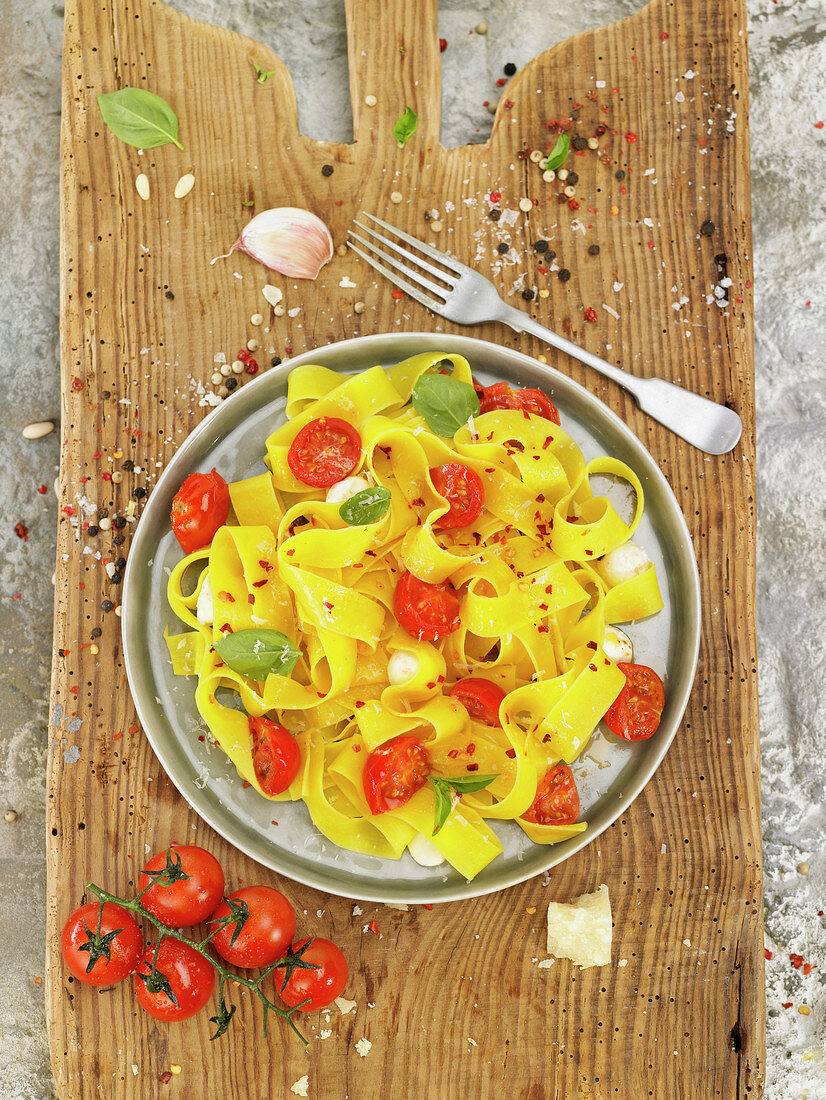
(344, 1006)
(301, 1086)
(364, 1046)
(272, 294)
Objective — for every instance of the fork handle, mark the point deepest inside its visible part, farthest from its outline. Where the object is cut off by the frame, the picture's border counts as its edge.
(707, 425)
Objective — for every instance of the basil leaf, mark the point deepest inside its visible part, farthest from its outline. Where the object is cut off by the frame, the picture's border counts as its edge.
(139, 118)
(261, 75)
(461, 784)
(405, 128)
(365, 506)
(444, 402)
(558, 153)
(257, 653)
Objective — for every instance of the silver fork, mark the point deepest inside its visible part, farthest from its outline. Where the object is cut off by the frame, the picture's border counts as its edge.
(464, 296)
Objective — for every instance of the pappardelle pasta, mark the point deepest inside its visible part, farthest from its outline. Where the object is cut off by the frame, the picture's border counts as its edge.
(409, 621)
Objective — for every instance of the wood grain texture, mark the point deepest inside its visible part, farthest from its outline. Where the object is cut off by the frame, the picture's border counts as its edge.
(684, 863)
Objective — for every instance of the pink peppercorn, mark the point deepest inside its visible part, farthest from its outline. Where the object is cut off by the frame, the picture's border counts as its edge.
(251, 366)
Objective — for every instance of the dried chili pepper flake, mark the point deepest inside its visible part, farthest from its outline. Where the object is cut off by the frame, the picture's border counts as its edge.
(243, 355)
(356, 748)
(510, 753)
(508, 104)
(359, 703)
(251, 367)
(495, 196)
(398, 294)
(77, 383)
(787, 1004)
(250, 598)
(631, 137)
(259, 584)
(22, 531)
(227, 597)
(796, 961)
(769, 954)
(592, 667)
(472, 767)
(373, 926)
(471, 749)
(819, 125)
(166, 1076)
(807, 968)
(590, 315)
(663, 36)
(42, 490)
(453, 753)
(501, 82)
(428, 906)
(246, 784)
(442, 45)
(542, 629)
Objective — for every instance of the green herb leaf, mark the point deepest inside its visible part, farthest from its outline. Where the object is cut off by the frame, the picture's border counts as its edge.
(248, 202)
(443, 785)
(139, 118)
(405, 128)
(558, 153)
(445, 403)
(366, 506)
(257, 653)
(262, 76)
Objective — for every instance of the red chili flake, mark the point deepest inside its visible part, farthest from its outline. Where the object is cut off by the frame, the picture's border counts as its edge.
(166, 1076)
(453, 753)
(106, 476)
(543, 629)
(471, 749)
(796, 961)
(472, 767)
(259, 584)
(510, 753)
(430, 684)
(117, 736)
(495, 196)
(251, 367)
(442, 45)
(42, 490)
(250, 598)
(818, 125)
(508, 104)
(418, 502)
(356, 748)
(68, 510)
(22, 531)
(663, 36)
(769, 954)
(226, 596)
(265, 565)
(201, 737)
(546, 738)
(73, 690)
(592, 667)
(243, 355)
(373, 927)
(588, 553)
(787, 1004)
(290, 553)
(543, 607)
(549, 588)
(398, 294)
(440, 679)
(591, 315)
(631, 138)
(134, 728)
(246, 784)
(359, 703)
(807, 968)
(428, 907)
(77, 383)
(501, 82)
(227, 627)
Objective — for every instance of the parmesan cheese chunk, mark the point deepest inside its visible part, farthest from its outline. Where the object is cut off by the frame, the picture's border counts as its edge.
(301, 1086)
(625, 562)
(364, 1046)
(204, 609)
(424, 852)
(581, 930)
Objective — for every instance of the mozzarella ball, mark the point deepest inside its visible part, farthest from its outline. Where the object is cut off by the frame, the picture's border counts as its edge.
(402, 666)
(425, 853)
(204, 610)
(625, 562)
(346, 488)
(617, 645)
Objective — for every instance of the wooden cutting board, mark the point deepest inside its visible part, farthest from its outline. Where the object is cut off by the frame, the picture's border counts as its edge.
(451, 999)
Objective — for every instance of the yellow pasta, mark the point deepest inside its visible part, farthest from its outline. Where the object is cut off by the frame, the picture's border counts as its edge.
(533, 606)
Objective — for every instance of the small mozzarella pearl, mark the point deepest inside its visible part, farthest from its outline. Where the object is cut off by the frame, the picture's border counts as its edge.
(402, 666)
(425, 853)
(346, 488)
(617, 645)
(204, 611)
(625, 562)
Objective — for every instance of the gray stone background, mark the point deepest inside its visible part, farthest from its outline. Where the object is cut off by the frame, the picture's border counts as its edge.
(788, 96)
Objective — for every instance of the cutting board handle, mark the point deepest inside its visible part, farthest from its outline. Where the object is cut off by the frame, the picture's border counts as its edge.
(393, 49)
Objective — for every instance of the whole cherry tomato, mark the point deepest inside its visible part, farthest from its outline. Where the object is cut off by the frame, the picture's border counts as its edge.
(196, 888)
(501, 396)
(276, 756)
(394, 772)
(635, 713)
(322, 983)
(108, 956)
(481, 698)
(426, 611)
(324, 451)
(183, 981)
(463, 490)
(557, 799)
(266, 933)
(199, 508)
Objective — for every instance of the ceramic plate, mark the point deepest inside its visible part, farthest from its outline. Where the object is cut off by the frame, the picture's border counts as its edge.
(610, 773)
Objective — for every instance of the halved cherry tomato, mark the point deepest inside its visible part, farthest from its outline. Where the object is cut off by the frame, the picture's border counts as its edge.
(426, 611)
(635, 713)
(189, 900)
(190, 978)
(557, 799)
(199, 508)
(106, 958)
(324, 451)
(501, 396)
(322, 982)
(276, 756)
(481, 698)
(463, 490)
(266, 933)
(394, 772)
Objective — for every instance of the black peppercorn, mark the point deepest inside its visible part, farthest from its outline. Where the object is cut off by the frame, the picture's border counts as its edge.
(540, 246)
(115, 578)
(494, 214)
(96, 633)
(169, 295)
(707, 228)
(527, 295)
(275, 361)
(128, 465)
(119, 540)
(139, 493)
(106, 605)
(593, 250)
(120, 563)
(563, 274)
(119, 522)
(579, 143)
(327, 170)
(550, 254)
(572, 180)
(92, 529)
(231, 384)
(502, 248)
(510, 69)
(619, 174)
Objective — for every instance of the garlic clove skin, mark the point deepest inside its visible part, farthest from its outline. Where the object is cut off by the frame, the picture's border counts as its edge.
(625, 562)
(291, 241)
(617, 646)
(425, 853)
(346, 488)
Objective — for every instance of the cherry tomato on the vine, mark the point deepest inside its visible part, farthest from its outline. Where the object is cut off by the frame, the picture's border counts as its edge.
(105, 958)
(276, 756)
(394, 772)
(635, 713)
(463, 490)
(501, 396)
(186, 900)
(324, 451)
(199, 508)
(322, 984)
(266, 933)
(557, 799)
(426, 611)
(481, 698)
(181, 971)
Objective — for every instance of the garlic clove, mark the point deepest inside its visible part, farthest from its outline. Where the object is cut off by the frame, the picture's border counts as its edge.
(291, 241)
(617, 645)
(346, 488)
(625, 562)
(425, 853)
